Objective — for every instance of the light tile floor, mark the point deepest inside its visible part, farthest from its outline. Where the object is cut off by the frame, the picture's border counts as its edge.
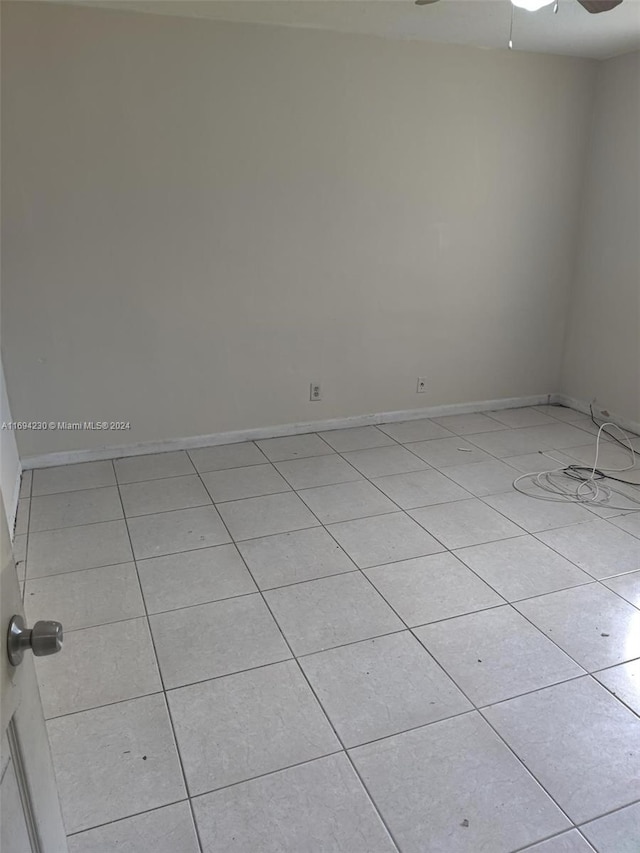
(361, 641)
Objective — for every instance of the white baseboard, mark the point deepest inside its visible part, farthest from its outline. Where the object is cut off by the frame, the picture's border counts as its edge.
(583, 406)
(68, 457)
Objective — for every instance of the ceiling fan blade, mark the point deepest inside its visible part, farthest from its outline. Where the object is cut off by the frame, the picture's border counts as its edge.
(595, 6)
(429, 2)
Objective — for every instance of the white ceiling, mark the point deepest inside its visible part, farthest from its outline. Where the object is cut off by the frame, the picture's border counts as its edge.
(483, 23)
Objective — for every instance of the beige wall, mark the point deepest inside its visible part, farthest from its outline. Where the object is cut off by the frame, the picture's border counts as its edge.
(202, 218)
(602, 355)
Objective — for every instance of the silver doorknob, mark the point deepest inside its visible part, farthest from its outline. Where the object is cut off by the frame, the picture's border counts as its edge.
(45, 638)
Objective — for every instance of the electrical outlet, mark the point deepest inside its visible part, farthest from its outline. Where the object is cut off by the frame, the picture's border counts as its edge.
(315, 391)
(422, 385)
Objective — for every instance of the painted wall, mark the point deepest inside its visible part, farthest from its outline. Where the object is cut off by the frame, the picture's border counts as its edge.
(202, 218)
(602, 355)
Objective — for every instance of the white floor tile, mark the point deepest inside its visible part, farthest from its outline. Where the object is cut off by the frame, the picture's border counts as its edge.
(215, 639)
(346, 501)
(522, 567)
(483, 478)
(634, 440)
(418, 430)
(383, 539)
(155, 496)
(294, 447)
(317, 471)
(454, 786)
(535, 515)
(575, 738)
(379, 687)
(71, 509)
(585, 423)
(225, 456)
(194, 577)
(420, 488)
(521, 417)
(496, 654)
(560, 413)
(593, 625)
(319, 806)
(86, 598)
(154, 466)
(600, 548)
(531, 463)
(165, 830)
(444, 452)
(67, 478)
(245, 725)
(431, 588)
(356, 438)
(255, 517)
(243, 709)
(611, 457)
(469, 423)
(331, 612)
(516, 442)
(624, 682)
(615, 833)
(294, 557)
(629, 523)
(99, 666)
(628, 586)
(567, 842)
(173, 532)
(610, 509)
(380, 461)
(72, 548)
(114, 762)
(463, 523)
(233, 484)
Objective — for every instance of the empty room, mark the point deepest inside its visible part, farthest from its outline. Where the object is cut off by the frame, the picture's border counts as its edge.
(320, 426)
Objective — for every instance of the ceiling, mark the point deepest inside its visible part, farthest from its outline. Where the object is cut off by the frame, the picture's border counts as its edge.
(483, 23)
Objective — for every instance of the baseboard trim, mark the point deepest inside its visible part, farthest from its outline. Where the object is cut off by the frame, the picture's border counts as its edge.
(69, 457)
(583, 406)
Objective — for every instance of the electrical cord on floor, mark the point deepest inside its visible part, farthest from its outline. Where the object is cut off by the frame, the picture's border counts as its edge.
(558, 484)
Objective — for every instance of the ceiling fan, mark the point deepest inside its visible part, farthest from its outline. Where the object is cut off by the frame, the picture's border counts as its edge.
(593, 6)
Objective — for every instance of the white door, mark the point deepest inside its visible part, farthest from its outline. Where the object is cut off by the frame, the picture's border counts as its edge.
(30, 817)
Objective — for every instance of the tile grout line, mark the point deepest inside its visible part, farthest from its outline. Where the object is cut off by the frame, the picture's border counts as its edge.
(591, 581)
(334, 452)
(507, 602)
(473, 704)
(322, 525)
(127, 817)
(301, 670)
(474, 707)
(344, 646)
(160, 675)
